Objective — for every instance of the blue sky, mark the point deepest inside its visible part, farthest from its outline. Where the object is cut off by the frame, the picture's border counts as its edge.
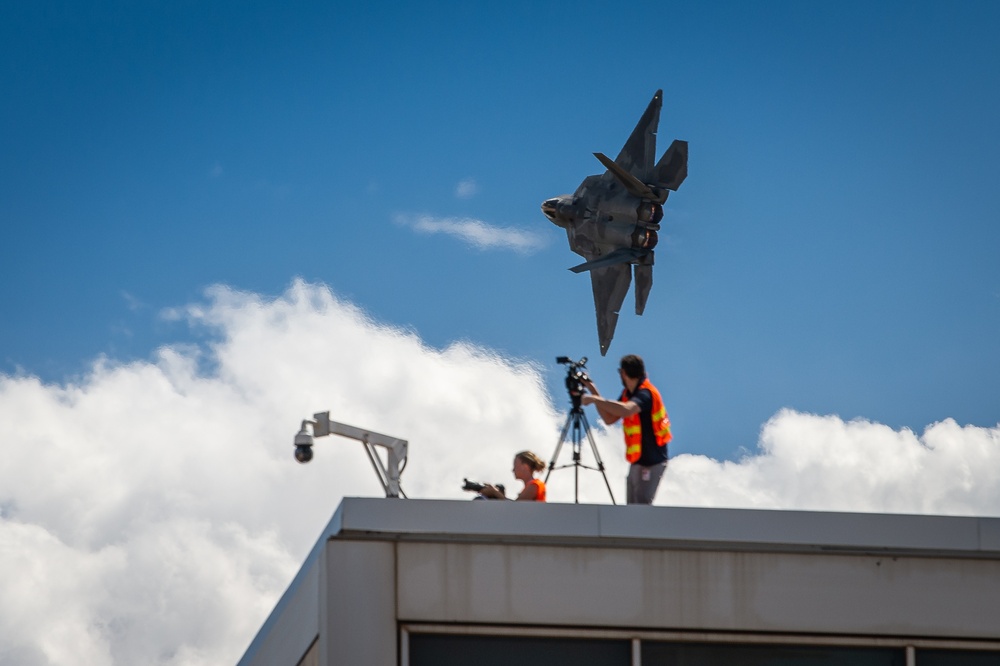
(834, 249)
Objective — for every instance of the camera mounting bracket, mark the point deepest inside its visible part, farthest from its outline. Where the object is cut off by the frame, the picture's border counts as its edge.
(388, 472)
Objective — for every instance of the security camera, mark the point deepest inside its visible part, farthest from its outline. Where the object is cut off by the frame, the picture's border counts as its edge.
(304, 443)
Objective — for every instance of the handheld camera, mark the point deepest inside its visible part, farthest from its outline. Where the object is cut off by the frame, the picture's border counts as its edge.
(475, 486)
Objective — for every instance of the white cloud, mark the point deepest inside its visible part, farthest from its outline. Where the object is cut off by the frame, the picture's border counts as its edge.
(466, 188)
(475, 232)
(152, 513)
(824, 463)
(133, 303)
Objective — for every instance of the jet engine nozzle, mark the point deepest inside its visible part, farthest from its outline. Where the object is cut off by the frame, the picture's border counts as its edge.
(649, 213)
(644, 239)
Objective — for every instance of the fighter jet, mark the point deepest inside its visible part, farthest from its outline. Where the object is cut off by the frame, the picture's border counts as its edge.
(612, 219)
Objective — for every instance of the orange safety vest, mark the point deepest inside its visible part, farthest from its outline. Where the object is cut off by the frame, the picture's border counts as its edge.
(538, 483)
(633, 429)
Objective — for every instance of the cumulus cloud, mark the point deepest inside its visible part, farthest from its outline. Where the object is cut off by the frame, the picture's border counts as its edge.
(807, 461)
(466, 188)
(477, 233)
(151, 512)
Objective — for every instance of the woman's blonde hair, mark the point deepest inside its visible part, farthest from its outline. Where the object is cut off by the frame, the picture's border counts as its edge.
(531, 460)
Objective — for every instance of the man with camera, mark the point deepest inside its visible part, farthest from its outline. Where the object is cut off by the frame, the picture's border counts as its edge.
(645, 424)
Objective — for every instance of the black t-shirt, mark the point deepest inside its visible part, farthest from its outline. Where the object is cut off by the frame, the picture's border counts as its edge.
(652, 454)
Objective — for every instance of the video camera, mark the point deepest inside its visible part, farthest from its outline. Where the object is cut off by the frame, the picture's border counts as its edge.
(475, 486)
(576, 375)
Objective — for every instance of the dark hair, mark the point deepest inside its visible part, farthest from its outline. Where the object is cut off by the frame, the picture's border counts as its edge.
(633, 366)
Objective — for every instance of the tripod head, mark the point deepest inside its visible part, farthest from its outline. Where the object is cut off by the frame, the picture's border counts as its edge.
(576, 375)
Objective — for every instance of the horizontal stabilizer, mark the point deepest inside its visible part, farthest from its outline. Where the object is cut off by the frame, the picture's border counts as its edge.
(634, 186)
(620, 256)
(672, 168)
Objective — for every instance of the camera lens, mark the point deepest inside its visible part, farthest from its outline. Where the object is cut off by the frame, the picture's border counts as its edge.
(303, 453)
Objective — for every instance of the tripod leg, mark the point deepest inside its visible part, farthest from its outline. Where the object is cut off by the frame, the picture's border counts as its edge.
(597, 455)
(576, 456)
(562, 438)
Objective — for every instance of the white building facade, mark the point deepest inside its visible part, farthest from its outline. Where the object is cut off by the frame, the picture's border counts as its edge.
(434, 583)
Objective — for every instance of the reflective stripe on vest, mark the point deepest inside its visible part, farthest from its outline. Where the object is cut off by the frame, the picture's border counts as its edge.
(632, 427)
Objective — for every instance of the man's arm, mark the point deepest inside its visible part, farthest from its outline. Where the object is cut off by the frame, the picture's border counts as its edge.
(610, 410)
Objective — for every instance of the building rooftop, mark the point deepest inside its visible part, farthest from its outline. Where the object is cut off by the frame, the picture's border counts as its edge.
(665, 527)
(749, 571)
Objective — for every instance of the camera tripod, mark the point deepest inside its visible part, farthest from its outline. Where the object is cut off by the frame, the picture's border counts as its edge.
(576, 426)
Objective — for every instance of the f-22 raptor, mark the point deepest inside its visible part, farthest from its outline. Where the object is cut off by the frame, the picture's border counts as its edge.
(612, 219)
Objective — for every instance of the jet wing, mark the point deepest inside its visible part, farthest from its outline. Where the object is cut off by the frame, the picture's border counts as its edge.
(610, 285)
(639, 153)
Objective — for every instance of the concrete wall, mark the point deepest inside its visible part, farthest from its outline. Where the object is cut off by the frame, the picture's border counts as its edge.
(358, 617)
(445, 566)
(698, 590)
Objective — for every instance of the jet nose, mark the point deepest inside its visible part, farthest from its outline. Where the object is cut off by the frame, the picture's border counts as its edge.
(549, 207)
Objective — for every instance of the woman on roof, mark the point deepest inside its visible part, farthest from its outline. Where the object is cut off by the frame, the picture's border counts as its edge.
(526, 464)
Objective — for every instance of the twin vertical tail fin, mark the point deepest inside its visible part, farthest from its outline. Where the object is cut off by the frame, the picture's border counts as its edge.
(643, 283)
(672, 168)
